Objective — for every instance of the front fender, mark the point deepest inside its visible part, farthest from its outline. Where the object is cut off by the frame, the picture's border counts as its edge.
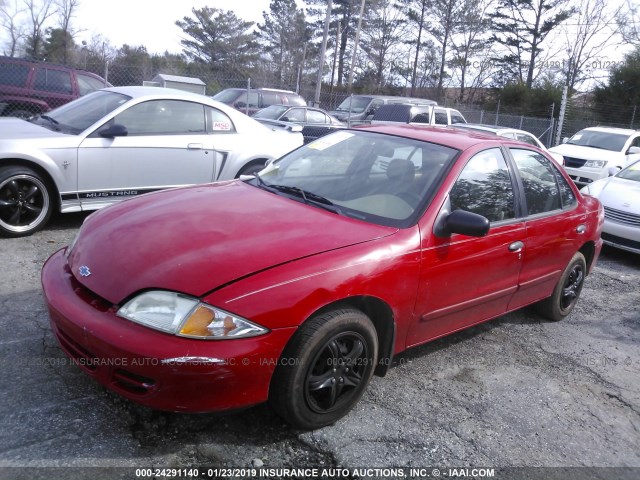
(287, 295)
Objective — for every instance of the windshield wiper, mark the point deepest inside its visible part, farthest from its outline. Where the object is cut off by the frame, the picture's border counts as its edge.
(309, 198)
(52, 121)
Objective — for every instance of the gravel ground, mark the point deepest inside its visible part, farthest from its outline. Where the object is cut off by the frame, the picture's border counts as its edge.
(517, 391)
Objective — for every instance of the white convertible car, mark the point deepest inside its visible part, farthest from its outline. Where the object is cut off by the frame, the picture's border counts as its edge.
(121, 142)
(620, 196)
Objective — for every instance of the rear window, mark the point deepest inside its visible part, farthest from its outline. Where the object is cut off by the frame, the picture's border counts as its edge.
(14, 74)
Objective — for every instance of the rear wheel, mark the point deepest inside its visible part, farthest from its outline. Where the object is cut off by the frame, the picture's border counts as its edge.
(567, 291)
(325, 368)
(25, 202)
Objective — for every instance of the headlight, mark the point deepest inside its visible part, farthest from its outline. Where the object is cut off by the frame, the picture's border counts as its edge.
(595, 163)
(186, 316)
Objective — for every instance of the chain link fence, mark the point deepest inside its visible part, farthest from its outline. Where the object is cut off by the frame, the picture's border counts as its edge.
(28, 88)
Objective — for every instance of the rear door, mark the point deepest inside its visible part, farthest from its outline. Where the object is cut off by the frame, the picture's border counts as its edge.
(53, 85)
(555, 228)
(466, 280)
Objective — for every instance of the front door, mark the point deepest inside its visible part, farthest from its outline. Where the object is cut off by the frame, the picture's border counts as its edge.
(167, 145)
(466, 280)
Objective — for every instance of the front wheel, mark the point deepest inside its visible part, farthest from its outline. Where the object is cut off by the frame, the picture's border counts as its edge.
(25, 202)
(567, 291)
(325, 368)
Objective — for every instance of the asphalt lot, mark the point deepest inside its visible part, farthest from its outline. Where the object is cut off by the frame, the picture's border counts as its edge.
(517, 391)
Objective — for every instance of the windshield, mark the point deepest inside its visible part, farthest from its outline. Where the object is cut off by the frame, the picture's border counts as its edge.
(77, 116)
(603, 140)
(273, 112)
(358, 104)
(374, 177)
(632, 172)
(228, 95)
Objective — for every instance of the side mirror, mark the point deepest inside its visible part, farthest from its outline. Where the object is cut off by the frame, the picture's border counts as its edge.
(371, 111)
(285, 119)
(565, 139)
(239, 105)
(613, 170)
(115, 130)
(633, 150)
(464, 223)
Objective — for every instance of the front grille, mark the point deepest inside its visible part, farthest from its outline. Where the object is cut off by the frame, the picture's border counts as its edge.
(620, 216)
(623, 242)
(574, 162)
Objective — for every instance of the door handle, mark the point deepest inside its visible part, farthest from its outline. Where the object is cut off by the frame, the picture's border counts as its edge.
(581, 229)
(516, 246)
(194, 146)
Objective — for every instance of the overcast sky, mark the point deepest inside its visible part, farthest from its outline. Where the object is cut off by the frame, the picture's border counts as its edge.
(151, 22)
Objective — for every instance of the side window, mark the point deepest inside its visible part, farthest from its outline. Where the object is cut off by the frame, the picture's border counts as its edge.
(441, 117)
(523, 137)
(57, 81)
(241, 101)
(313, 116)
(14, 74)
(539, 181)
(456, 117)
(375, 105)
(219, 122)
(566, 193)
(635, 142)
(163, 117)
(295, 115)
(484, 187)
(87, 84)
(270, 99)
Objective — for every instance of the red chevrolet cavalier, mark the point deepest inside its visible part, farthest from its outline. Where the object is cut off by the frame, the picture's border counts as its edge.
(296, 285)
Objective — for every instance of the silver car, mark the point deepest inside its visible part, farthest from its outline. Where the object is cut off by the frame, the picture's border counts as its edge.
(620, 196)
(121, 142)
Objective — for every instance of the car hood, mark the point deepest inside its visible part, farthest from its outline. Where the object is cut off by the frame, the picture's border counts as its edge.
(587, 153)
(196, 239)
(618, 193)
(16, 128)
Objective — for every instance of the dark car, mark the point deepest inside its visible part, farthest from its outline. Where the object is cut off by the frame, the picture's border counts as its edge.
(249, 101)
(28, 87)
(296, 285)
(314, 122)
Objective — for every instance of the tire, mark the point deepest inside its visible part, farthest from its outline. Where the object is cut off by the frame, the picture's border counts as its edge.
(251, 169)
(325, 369)
(25, 202)
(567, 291)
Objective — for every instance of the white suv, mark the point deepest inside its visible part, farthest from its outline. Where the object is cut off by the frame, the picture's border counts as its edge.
(598, 152)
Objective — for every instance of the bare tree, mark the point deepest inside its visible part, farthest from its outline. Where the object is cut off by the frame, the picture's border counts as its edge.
(445, 15)
(471, 40)
(594, 31)
(39, 12)
(416, 13)
(383, 31)
(10, 12)
(629, 21)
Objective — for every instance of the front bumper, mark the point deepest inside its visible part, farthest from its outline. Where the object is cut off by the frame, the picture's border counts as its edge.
(625, 237)
(584, 176)
(153, 368)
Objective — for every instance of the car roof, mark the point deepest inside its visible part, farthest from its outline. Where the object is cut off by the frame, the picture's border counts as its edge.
(145, 91)
(453, 137)
(491, 128)
(626, 131)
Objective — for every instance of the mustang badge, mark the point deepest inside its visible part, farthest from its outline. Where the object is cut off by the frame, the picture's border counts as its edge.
(84, 271)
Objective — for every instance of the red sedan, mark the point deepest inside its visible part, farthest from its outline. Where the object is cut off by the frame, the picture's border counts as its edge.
(297, 284)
